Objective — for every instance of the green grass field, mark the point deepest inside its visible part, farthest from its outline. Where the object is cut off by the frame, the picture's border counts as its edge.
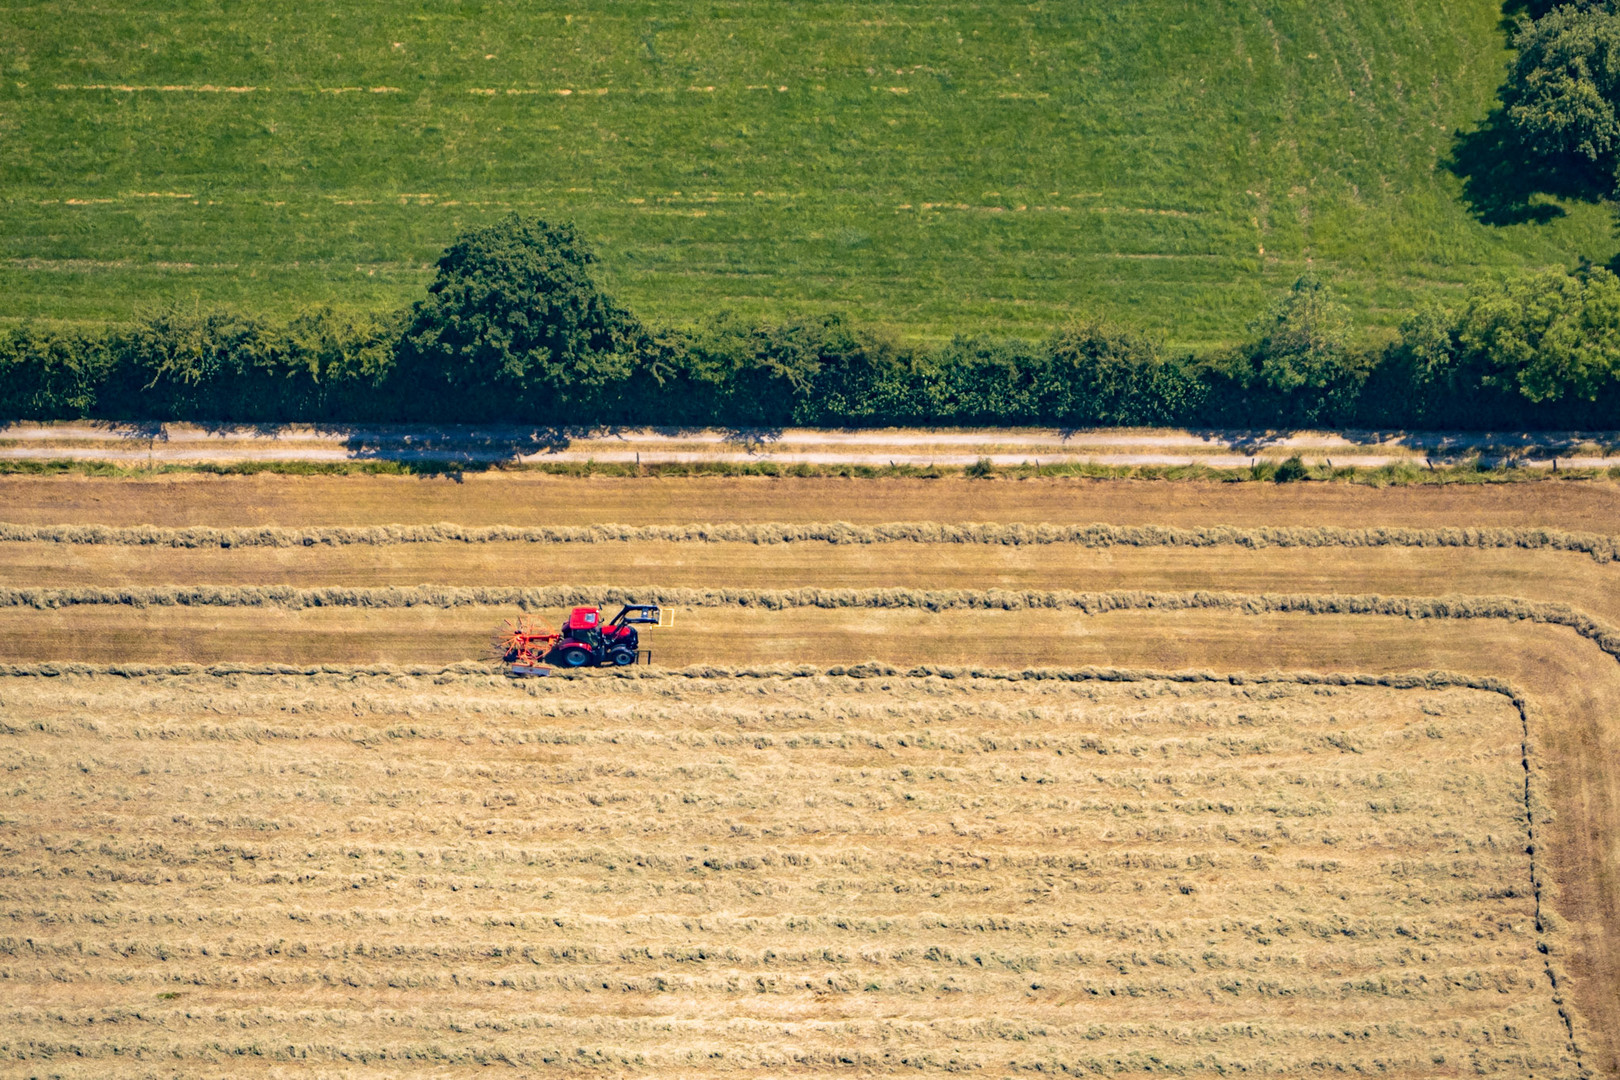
(938, 167)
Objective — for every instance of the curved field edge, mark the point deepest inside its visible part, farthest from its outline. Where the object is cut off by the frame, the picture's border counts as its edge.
(1602, 548)
(1575, 726)
(1549, 929)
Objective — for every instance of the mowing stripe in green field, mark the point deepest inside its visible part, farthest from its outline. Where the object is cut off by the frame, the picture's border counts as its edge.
(940, 167)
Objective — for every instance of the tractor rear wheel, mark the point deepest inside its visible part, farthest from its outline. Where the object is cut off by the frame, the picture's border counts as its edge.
(574, 657)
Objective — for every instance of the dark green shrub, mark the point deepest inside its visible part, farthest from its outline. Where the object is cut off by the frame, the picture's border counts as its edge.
(515, 326)
(51, 375)
(1291, 470)
(727, 371)
(861, 377)
(186, 362)
(338, 365)
(1103, 375)
(983, 381)
(1549, 336)
(1298, 368)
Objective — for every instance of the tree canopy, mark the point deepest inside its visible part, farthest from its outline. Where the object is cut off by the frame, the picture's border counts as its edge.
(1563, 94)
(515, 319)
(1552, 336)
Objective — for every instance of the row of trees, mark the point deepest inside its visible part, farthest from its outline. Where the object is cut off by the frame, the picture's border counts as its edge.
(516, 329)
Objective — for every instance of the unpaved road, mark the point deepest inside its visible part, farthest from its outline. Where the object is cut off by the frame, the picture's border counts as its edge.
(223, 444)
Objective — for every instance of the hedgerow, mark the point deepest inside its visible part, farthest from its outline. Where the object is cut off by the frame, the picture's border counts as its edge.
(515, 329)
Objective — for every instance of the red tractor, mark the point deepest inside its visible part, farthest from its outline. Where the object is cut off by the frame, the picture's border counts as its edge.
(585, 640)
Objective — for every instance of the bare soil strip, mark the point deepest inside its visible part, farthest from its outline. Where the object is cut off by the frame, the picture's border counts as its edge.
(751, 876)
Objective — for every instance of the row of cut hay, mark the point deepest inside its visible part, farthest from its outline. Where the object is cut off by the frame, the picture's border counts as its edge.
(934, 600)
(872, 669)
(1602, 548)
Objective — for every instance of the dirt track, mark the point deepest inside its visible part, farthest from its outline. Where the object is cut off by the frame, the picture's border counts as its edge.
(134, 444)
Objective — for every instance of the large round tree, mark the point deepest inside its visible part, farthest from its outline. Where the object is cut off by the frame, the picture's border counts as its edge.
(1562, 96)
(516, 325)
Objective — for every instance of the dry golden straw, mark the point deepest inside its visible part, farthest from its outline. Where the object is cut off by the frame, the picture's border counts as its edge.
(1602, 548)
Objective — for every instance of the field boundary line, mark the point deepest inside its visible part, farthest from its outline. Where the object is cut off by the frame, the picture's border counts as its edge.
(1600, 547)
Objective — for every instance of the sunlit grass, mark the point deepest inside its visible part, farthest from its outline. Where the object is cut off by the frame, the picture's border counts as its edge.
(940, 168)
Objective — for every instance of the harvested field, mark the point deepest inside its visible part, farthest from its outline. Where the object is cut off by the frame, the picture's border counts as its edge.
(745, 876)
(1228, 639)
(1563, 576)
(750, 740)
(529, 499)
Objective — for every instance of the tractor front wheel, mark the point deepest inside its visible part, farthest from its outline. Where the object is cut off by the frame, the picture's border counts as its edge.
(623, 658)
(575, 657)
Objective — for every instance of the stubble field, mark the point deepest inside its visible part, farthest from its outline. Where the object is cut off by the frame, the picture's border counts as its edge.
(723, 876)
(990, 798)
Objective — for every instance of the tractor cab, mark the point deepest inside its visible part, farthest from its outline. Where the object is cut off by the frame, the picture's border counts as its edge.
(582, 622)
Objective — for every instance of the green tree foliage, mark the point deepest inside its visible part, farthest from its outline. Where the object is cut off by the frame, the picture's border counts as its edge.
(1302, 342)
(1541, 350)
(727, 370)
(188, 362)
(515, 325)
(342, 349)
(985, 381)
(1106, 375)
(52, 375)
(862, 377)
(183, 361)
(1299, 364)
(1551, 336)
(818, 370)
(1562, 94)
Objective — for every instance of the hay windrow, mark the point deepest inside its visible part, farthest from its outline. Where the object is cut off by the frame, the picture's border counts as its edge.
(873, 669)
(1601, 548)
(1605, 636)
